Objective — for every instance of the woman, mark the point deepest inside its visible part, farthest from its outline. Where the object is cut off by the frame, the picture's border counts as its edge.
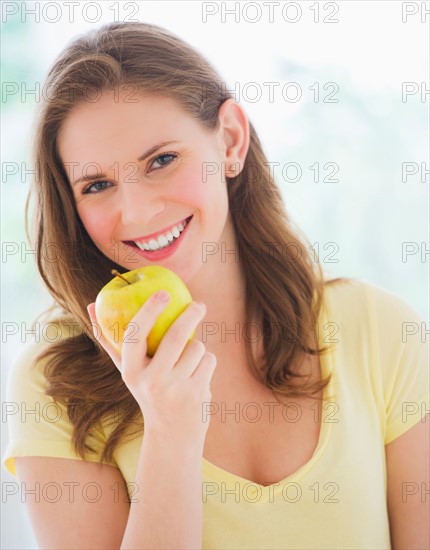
(282, 424)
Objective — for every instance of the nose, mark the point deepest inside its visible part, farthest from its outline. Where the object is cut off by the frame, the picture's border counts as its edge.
(138, 204)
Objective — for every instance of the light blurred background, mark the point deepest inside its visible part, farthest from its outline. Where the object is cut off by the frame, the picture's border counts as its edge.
(371, 223)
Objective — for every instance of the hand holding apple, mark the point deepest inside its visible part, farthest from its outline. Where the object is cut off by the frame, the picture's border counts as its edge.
(119, 300)
(172, 386)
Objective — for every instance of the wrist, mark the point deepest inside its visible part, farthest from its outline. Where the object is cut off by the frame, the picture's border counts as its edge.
(176, 442)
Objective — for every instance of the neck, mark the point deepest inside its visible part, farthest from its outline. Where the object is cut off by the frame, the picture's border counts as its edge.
(220, 284)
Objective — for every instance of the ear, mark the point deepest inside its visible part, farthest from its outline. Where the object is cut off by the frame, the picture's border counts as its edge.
(233, 135)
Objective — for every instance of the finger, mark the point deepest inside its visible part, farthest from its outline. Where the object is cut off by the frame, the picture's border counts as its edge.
(174, 341)
(204, 372)
(94, 323)
(192, 355)
(98, 335)
(134, 346)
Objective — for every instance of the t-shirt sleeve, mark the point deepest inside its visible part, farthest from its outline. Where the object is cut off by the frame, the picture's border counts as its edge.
(38, 425)
(404, 361)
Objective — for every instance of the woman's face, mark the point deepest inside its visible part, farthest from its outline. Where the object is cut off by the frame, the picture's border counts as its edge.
(138, 187)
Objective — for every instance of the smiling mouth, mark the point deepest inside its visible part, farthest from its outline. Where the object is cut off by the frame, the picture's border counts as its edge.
(165, 240)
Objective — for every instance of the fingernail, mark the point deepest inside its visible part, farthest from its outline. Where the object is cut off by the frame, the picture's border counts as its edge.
(162, 296)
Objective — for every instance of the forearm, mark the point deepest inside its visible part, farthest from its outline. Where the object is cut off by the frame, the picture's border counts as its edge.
(167, 512)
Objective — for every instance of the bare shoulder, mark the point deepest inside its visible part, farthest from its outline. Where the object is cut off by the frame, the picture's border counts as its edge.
(73, 503)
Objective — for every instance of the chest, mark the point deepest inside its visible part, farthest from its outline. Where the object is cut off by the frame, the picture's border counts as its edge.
(257, 438)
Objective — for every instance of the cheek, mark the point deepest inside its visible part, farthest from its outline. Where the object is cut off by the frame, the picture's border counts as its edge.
(201, 186)
(96, 223)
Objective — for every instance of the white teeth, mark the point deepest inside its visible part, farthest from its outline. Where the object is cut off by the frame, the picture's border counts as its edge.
(153, 245)
(162, 240)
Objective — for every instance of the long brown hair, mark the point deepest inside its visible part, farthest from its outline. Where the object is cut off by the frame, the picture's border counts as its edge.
(284, 285)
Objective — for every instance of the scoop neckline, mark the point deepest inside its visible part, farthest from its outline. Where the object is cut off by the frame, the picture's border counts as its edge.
(264, 492)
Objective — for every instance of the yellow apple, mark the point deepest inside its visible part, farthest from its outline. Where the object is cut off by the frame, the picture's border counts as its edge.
(119, 300)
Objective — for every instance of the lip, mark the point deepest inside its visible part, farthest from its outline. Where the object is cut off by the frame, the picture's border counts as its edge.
(157, 234)
(156, 255)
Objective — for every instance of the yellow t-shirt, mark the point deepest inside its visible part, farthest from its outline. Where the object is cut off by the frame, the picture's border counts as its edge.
(337, 500)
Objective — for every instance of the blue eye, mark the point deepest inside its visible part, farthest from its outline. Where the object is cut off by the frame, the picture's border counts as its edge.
(164, 155)
(87, 192)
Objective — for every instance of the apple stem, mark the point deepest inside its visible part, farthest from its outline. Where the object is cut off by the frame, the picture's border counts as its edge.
(118, 274)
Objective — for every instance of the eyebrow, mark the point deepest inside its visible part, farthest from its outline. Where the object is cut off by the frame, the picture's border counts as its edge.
(143, 156)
